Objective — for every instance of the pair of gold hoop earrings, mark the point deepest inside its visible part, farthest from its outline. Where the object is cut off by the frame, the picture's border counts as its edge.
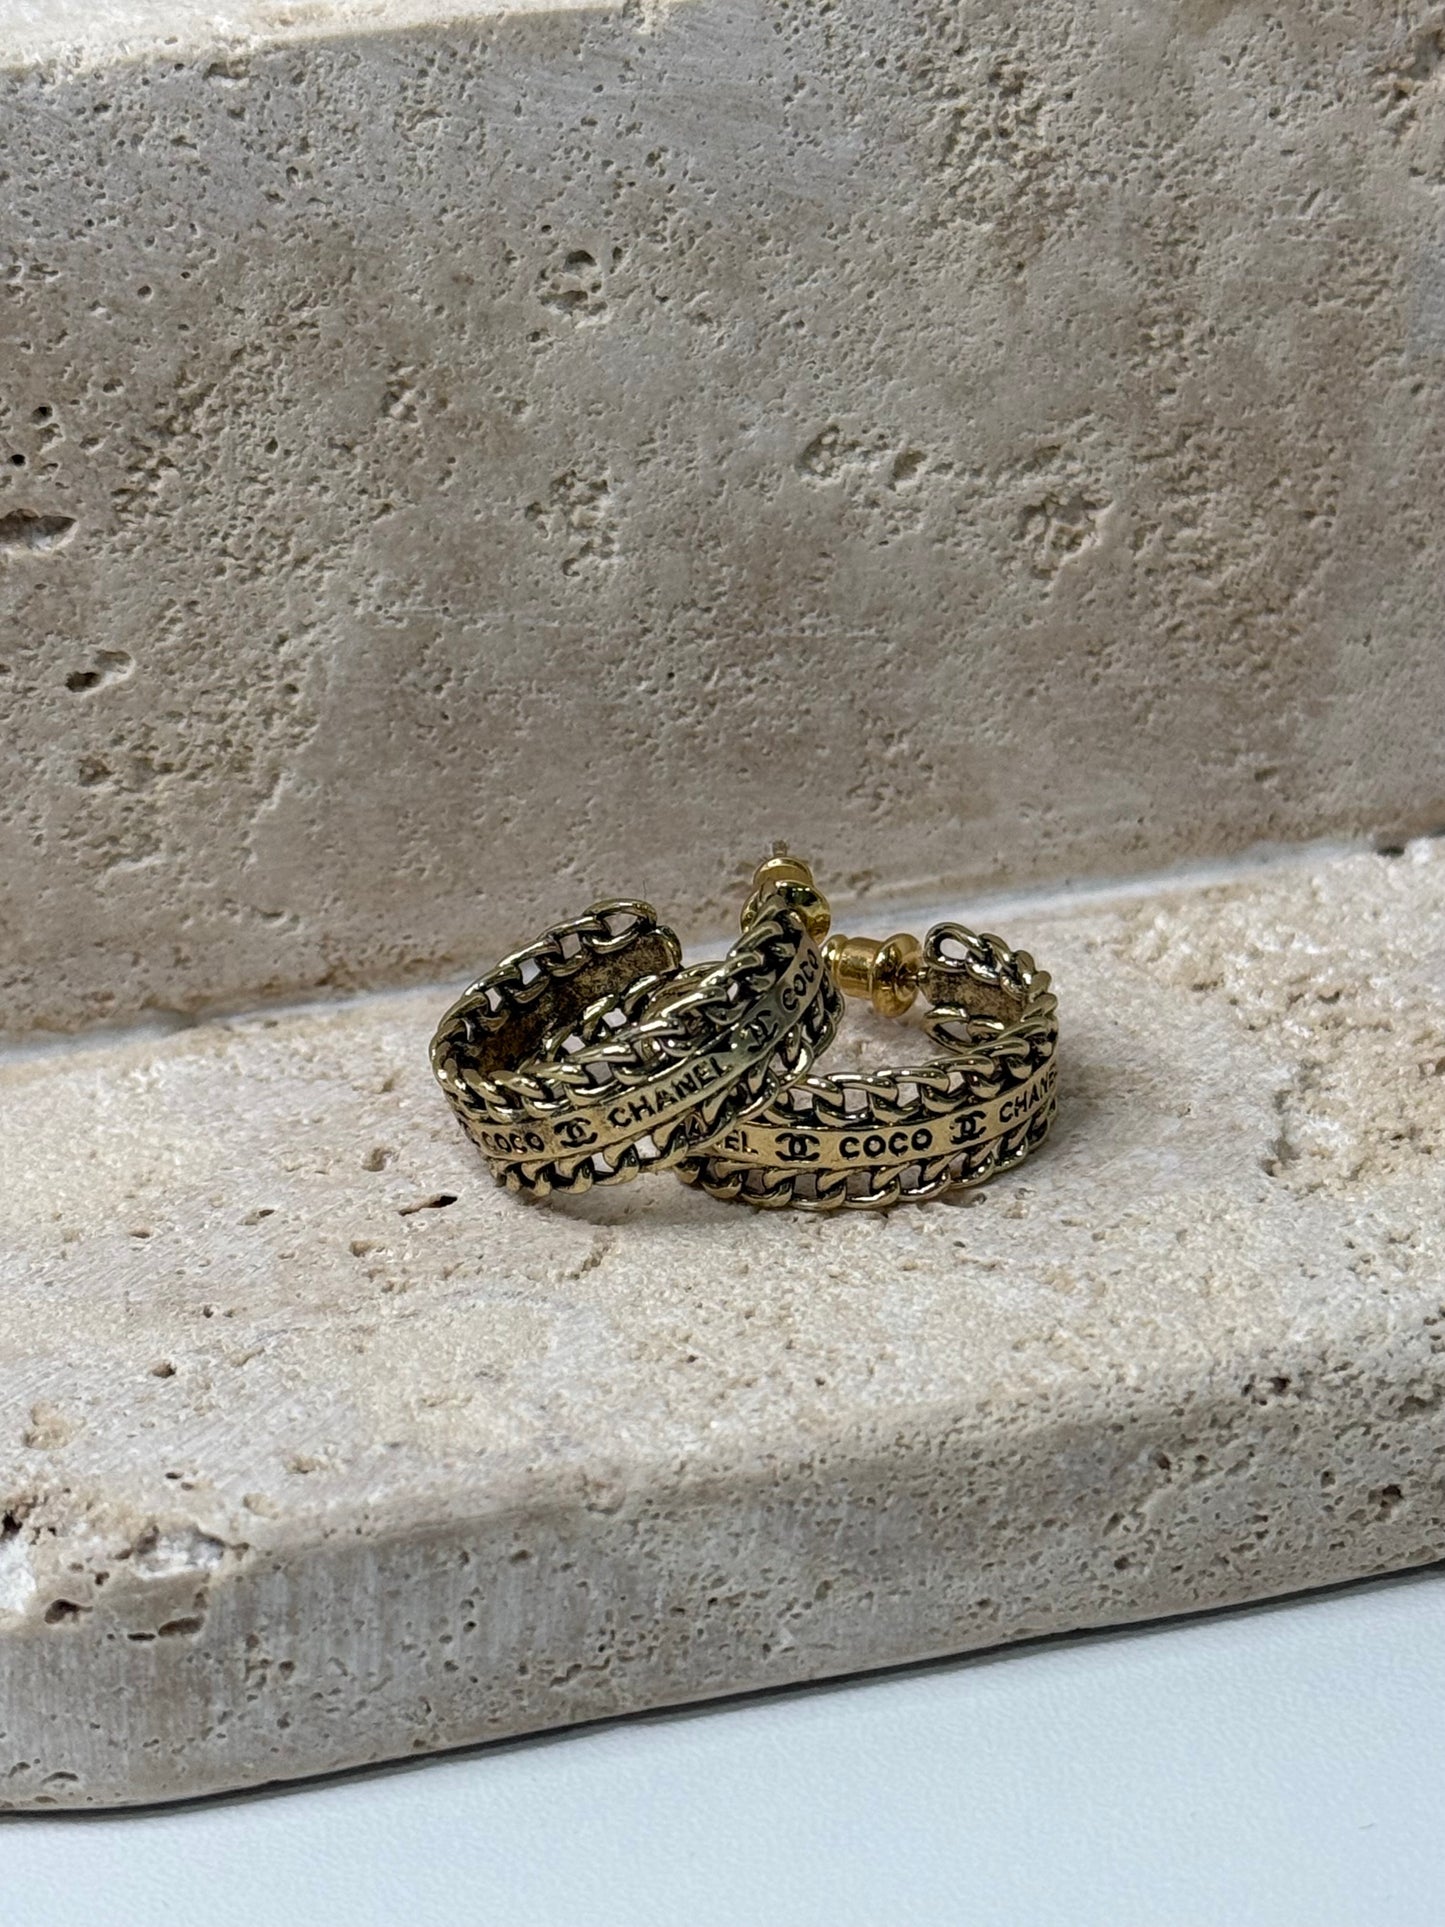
(595, 1053)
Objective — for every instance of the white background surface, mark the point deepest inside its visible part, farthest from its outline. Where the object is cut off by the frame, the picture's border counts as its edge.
(1283, 1767)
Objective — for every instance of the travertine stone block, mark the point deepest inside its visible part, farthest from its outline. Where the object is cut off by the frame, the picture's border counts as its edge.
(318, 1449)
(446, 453)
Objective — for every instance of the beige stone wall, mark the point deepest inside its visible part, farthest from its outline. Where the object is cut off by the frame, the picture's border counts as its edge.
(452, 471)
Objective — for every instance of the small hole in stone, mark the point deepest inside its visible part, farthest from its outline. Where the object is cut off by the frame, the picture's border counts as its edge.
(61, 1610)
(437, 1203)
(23, 529)
(163, 1368)
(111, 665)
(377, 1158)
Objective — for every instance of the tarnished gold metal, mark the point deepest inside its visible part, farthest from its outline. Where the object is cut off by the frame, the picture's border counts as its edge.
(594, 1054)
(792, 879)
(866, 1140)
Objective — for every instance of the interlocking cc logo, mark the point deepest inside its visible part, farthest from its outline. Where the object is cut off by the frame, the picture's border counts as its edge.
(794, 1147)
(759, 1031)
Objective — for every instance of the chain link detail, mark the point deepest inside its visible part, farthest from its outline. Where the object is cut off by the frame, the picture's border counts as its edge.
(592, 1054)
(864, 1141)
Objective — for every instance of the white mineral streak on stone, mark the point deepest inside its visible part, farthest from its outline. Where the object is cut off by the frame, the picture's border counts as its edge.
(17, 1580)
(457, 459)
(296, 1474)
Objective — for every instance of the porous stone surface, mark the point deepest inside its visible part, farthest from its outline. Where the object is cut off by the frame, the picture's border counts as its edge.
(446, 453)
(318, 1449)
